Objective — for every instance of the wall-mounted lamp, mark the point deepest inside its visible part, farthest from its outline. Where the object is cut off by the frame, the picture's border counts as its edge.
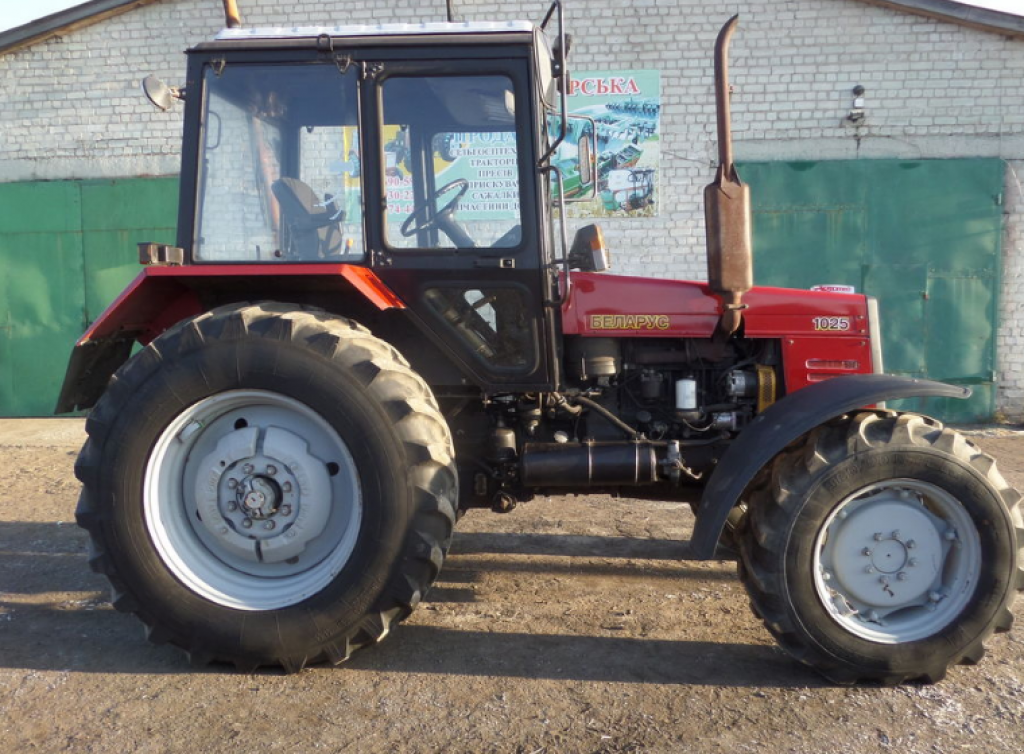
(856, 114)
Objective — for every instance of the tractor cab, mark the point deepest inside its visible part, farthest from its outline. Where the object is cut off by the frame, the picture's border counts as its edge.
(365, 146)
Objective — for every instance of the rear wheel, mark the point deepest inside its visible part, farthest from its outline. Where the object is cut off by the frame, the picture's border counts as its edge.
(267, 486)
(882, 547)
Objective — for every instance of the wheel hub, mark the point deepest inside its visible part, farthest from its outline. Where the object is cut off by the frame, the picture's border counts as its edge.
(248, 499)
(889, 556)
(263, 495)
(874, 565)
(260, 496)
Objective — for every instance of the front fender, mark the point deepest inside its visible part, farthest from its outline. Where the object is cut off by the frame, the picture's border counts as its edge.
(782, 423)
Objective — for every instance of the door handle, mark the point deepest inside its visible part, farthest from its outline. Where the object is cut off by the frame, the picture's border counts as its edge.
(502, 263)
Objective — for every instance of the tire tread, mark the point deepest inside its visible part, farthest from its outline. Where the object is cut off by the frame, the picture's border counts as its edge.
(774, 490)
(389, 379)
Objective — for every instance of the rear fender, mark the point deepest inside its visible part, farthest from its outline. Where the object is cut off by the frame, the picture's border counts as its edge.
(161, 296)
(782, 423)
(147, 307)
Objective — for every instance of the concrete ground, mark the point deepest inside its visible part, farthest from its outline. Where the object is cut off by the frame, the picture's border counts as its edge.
(41, 433)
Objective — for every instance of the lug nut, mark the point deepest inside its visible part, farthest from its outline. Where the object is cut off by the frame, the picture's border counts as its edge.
(269, 525)
(879, 536)
(911, 544)
(826, 576)
(286, 487)
(901, 576)
(248, 468)
(232, 507)
(271, 470)
(232, 483)
(873, 616)
(896, 534)
(869, 569)
(950, 534)
(934, 596)
(912, 562)
(247, 523)
(286, 510)
(866, 552)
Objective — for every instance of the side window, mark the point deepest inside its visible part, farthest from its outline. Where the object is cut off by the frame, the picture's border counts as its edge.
(493, 322)
(451, 158)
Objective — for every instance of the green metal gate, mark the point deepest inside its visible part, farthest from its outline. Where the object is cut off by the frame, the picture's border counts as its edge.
(67, 248)
(924, 237)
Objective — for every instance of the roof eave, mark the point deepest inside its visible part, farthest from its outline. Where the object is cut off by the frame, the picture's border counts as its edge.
(65, 21)
(983, 19)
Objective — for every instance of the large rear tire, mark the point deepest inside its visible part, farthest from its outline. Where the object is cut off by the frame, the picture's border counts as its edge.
(267, 486)
(882, 547)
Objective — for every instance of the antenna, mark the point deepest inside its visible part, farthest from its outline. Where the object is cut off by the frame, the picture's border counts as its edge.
(451, 11)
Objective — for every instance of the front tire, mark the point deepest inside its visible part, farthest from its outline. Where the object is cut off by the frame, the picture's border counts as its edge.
(267, 486)
(884, 548)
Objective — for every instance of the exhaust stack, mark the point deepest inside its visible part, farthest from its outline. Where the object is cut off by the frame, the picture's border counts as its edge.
(727, 208)
(231, 17)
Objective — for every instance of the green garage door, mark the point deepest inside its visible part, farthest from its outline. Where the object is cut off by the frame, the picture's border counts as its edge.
(924, 237)
(67, 248)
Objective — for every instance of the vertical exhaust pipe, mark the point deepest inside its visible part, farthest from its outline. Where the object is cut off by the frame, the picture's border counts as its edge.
(727, 208)
(231, 16)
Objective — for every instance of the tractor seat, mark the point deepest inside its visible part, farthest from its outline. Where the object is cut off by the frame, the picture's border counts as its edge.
(311, 229)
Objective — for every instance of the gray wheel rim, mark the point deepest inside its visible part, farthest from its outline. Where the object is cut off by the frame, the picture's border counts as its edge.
(252, 500)
(897, 561)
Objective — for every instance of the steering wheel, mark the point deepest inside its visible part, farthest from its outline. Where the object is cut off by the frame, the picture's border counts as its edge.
(444, 218)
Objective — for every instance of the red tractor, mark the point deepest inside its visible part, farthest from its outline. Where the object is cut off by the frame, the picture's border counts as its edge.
(373, 320)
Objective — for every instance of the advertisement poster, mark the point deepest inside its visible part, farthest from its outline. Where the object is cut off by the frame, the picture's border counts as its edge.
(626, 109)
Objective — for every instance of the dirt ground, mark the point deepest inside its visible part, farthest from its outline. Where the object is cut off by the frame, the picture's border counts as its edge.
(569, 625)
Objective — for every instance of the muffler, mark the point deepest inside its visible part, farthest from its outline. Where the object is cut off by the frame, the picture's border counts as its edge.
(727, 208)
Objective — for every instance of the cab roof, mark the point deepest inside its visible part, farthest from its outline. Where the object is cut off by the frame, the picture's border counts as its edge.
(376, 30)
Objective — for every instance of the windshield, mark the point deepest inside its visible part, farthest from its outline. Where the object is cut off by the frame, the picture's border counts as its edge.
(280, 172)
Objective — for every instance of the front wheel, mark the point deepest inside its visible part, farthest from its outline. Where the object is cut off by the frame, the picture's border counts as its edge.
(267, 486)
(882, 547)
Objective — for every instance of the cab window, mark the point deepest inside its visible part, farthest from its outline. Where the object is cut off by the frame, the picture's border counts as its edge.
(280, 176)
(451, 163)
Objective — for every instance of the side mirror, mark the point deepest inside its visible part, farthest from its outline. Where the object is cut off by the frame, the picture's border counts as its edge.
(582, 130)
(586, 154)
(161, 95)
(576, 158)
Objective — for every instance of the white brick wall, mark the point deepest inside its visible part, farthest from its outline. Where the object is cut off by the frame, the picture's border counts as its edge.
(72, 107)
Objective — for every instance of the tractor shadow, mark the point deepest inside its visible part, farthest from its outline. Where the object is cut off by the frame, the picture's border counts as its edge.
(581, 560)
(55, 612)
(600, 659)
(55, 616)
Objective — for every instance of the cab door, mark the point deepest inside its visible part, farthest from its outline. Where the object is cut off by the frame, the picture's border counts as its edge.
(456, 236)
